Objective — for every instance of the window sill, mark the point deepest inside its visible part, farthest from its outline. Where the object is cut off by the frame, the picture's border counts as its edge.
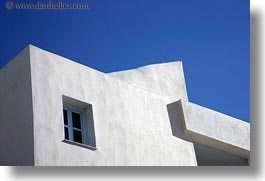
(80, 144)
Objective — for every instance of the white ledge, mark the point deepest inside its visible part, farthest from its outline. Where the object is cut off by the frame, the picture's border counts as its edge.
(215, 129)
(80, 144)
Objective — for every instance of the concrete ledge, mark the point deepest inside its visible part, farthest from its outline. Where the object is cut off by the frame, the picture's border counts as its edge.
(215, 129)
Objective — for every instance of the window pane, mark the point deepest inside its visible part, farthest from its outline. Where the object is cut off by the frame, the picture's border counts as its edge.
(66, 134)
(77, 136)
(65, 117)
(76, 120)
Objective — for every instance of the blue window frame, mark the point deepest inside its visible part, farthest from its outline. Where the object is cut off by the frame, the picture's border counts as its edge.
(75, 124)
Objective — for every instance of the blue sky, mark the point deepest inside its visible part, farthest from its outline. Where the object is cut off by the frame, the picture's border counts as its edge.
(211, 37)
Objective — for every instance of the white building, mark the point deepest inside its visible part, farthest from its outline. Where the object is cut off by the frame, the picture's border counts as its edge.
(54, 111)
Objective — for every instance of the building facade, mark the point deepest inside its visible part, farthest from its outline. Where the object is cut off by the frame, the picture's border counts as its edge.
(54, 111)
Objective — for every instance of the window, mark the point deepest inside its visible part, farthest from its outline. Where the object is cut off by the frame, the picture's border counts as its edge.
(75, 125)
(78, 123)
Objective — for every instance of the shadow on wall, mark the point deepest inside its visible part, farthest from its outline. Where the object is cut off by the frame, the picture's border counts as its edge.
(208, 156)
(176, 123)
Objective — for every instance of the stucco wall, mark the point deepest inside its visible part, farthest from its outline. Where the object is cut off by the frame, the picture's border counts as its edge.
(16, 116)
(165, 79)
(132, 124)
(137, 118)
